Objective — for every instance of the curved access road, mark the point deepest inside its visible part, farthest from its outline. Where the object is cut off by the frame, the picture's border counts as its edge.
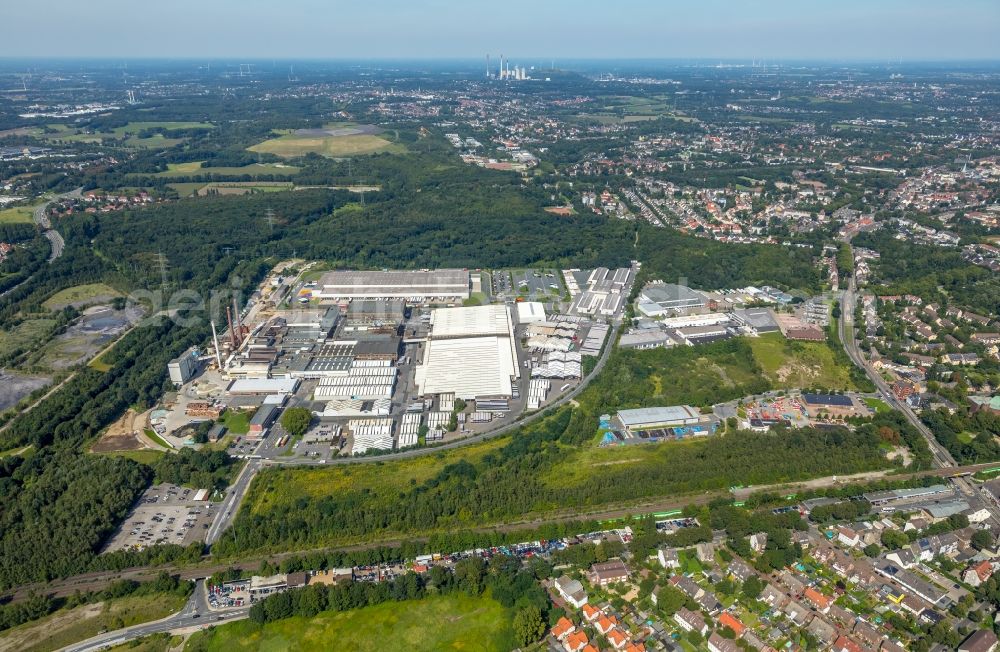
(42, 220)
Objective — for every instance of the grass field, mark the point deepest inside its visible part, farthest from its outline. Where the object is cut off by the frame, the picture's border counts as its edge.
(157, 439)
(789, 364)
(878, 405)
(151, 643)
(18, 215)
(72, 625)
(80, 295)
(237, 421)
(451, 622)
(381, 481)
(26, 334)
(197, 167)
(291, 145)
(129, 134)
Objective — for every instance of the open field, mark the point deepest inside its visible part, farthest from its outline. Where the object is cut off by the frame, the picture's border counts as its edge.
(789, 364)
(333, 141)
(71, 625)
(81, 295)
(878, 405)
(151, 643)
(17, 215)
(25, 335)
(128, 133)
(378, 482)
(237, 421)
(194, 168)
(450, 622)
(17, 386)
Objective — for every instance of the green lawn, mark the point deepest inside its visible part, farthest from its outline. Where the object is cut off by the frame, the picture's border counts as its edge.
(18, 215)
(69, 626)
(197, 167)
(237, 421)
(157, 439)
(451, 622)
(791, 365)
(878, 405)
(26, 335)
(291, 145)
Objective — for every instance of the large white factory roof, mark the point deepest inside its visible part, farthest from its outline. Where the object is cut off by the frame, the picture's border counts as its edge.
(402, 284)
(473, 321)
(658, 415)
(530, 312)
(264, 386)
(468, 366)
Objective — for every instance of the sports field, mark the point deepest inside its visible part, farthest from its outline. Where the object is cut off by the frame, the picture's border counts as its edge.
(333, 141)
(451, 622)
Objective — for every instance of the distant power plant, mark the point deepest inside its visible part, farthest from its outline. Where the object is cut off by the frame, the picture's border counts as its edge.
(505, 71)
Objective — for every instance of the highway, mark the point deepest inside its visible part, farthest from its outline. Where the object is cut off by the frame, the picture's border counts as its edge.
(42, 220)
(197, 613)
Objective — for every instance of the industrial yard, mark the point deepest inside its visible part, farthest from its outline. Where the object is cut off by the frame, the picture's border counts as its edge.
(388, 360)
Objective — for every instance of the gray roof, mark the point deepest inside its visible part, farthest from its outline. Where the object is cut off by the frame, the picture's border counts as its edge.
(656, 415)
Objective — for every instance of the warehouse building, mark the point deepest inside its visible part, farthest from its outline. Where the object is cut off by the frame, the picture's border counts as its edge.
(530, 312)
(662, 299)
(671, 422)
(263, 386)
(418, 286)
(470, 352)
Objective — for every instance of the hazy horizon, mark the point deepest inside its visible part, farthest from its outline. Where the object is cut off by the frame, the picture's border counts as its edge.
(786, 30)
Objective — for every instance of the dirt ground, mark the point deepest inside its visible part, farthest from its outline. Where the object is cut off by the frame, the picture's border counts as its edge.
(123, 435)
(16, 387)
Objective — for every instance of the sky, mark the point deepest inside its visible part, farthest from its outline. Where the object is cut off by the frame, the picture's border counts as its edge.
(914, 30)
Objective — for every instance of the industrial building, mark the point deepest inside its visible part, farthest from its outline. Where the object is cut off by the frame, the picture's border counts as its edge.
(417, 286)
(252, 386)
(665, 422)
(603, 293)
(530, 312)
(663, 299)
(184, 367)
(470, 352)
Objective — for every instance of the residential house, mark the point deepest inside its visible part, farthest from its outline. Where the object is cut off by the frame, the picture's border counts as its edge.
(576, 641)
(891, 646)
(717, 643)
(690, 621)
(867, 635)
(824, 631)
(773, 597)
(844, 644)
(797, 613)
(904, 557)
(605, 624)
(758, 541)
(668, 558)
(818, 600)
(983, 640)
(688, 586)
(728, 620)
(571, 591)
(793, 583)
(563, 628)
(978, 573)
(705, 552)
(617, 638)
(740, 570)
(709, 602)
(591, 613)
(847, 536)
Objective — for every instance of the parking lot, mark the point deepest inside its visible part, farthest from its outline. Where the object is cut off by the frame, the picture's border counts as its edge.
(164, 514)
(537, 284)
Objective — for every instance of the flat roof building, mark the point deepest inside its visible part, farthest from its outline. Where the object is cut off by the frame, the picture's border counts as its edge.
(471, 352)
(184, 367)
(409, 285)
(659, 417)
(660, 299)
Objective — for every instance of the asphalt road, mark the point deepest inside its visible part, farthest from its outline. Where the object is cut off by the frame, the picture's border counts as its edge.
(196, 613)
(941, 456)
(42, 220)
